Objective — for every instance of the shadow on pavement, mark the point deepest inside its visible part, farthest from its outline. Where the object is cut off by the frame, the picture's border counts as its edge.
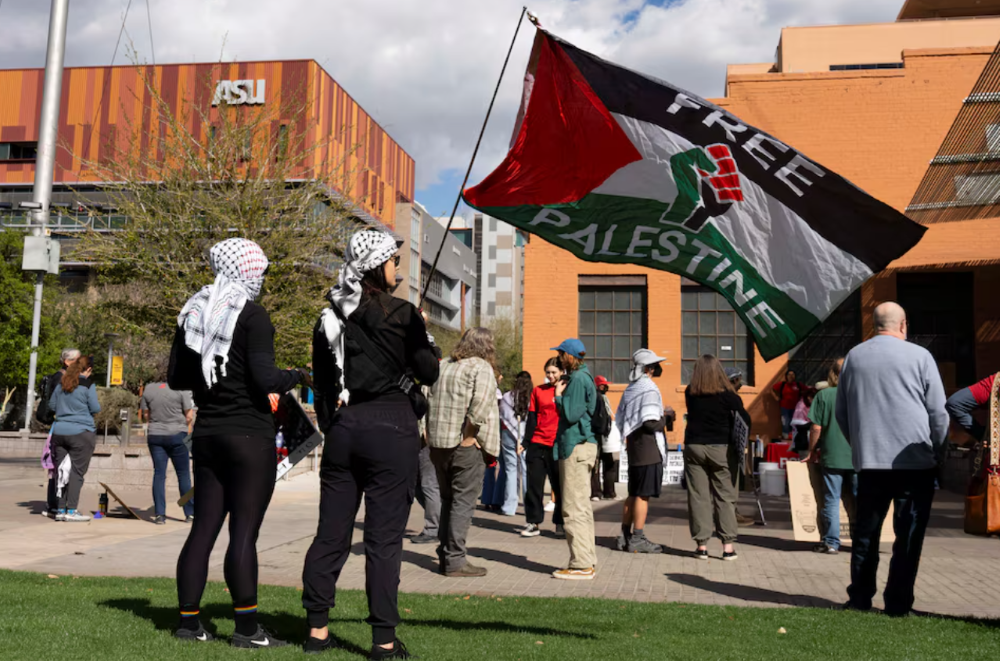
(513, 560)
(774, 543)
(420, 560)
(751, 593)
(500, 526)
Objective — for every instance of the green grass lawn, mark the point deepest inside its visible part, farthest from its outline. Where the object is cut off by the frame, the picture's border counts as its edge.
(71, 618)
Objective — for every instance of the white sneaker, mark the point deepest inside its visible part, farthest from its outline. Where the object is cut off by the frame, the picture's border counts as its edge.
(595, 499)
(73, 515)
(531, 530)
(551, 507)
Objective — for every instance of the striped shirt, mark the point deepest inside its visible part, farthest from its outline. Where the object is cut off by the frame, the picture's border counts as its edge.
(465, 390)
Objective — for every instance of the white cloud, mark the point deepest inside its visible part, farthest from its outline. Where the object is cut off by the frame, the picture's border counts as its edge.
(426, 69)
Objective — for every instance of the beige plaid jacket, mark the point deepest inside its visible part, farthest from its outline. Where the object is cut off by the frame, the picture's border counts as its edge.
(465, 390)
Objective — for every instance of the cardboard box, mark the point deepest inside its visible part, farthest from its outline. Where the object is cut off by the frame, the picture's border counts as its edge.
(805, 489)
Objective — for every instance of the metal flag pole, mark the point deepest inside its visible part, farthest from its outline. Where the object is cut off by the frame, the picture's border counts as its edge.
(44, 164)
(482, 131)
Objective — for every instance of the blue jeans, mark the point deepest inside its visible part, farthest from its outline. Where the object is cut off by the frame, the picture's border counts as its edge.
(507, 493)
(163, 449)
(786, 421)
(834, 481)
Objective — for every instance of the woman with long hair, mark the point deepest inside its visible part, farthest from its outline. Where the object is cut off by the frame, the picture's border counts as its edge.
(223, 352)
(74, 434)
(371, 352)
(463, 431)
(540, 463)
(712, 404)
(513, 419)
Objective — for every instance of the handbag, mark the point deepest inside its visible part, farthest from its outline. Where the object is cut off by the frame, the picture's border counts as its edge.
(982, 502)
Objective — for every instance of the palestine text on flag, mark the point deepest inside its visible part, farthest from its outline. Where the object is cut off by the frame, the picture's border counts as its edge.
(616, 166)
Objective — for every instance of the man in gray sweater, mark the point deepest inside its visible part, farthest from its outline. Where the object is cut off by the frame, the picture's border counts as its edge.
(890, 406)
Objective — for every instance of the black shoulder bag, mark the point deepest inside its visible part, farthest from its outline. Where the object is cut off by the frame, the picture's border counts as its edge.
(388, 369)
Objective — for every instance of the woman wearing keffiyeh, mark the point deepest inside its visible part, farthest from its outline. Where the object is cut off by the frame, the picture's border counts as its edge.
(368, 348)
(224, 352)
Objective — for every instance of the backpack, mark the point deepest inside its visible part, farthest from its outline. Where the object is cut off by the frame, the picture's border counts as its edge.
(44, 413)
(600, 423)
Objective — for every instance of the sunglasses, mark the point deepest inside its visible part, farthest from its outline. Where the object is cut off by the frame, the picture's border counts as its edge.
(395, 261)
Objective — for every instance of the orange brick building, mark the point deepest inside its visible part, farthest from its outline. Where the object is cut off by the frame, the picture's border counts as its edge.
(873, 103)
(101, 104)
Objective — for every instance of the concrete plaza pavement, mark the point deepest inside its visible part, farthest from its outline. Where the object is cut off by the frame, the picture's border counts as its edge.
(959, 574)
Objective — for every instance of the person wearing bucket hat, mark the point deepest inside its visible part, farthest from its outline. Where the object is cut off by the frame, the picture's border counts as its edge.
(576, 450)
(641, 422)
(223, 352)
(371, 352)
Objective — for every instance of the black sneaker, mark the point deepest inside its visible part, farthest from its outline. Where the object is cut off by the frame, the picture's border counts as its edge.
(317, 646)
(423, 539)
(397, 651)
(189, 518)
(160, 520)
(263, 638)
(701, 554)
(825, 549)
(732, 555)
(198, 635)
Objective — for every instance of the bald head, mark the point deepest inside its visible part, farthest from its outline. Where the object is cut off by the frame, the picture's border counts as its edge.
(890, 319)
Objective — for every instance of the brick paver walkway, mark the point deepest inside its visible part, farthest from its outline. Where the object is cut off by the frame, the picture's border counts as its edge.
(959, 574)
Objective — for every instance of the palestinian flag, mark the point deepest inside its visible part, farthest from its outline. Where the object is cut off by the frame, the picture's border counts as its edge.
(616, 166)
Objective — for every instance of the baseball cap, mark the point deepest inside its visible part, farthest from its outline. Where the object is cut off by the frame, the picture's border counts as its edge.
(732, 373)
(573, 347)
(600, 381)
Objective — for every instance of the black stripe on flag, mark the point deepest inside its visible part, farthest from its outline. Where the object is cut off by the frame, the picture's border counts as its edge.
(836, 209)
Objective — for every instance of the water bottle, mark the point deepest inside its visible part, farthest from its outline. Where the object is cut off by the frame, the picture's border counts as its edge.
(102, 505)
(279, 440)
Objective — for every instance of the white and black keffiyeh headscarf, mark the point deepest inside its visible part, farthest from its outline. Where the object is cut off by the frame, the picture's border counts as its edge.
(641, 401)
(209, 317)
(367, 250)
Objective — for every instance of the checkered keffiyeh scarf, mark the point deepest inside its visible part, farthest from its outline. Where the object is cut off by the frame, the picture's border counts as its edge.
(209, 317)
(641, 402)
(367, 250)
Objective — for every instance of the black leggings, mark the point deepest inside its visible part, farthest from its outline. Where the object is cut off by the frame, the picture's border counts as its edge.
(372, 449)
(233, 475)
(541, 464)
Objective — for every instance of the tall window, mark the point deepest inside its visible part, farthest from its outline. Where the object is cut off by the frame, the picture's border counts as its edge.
(415, 268)
(710, 325)
(612, 327)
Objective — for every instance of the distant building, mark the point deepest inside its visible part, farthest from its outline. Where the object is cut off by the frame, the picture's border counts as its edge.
(451, 297)
(499, 249)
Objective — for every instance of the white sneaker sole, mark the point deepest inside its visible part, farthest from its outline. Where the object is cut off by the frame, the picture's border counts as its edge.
(533, 533)
(575, 577)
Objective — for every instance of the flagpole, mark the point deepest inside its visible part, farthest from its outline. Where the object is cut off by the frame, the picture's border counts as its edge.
(482, 131)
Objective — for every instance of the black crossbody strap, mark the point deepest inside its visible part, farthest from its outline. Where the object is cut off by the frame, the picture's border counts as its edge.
(377, 356)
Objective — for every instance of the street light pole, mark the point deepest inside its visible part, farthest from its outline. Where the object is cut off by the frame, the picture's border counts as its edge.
(44, 165)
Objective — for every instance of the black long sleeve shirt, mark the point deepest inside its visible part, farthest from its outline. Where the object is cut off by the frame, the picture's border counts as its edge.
(396, 328)
(238, 403)
(642, 448)
(709, 417)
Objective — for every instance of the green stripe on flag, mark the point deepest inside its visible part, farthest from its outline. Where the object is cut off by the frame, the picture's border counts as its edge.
(603, 228)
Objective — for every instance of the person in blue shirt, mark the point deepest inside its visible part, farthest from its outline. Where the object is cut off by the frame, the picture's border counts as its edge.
(74, 433)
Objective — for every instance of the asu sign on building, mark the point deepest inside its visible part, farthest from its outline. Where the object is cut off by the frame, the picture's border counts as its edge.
(240, 92)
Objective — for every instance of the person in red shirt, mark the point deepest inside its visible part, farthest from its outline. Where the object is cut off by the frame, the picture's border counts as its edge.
(787, 393)
(961, 405)
(540, 435)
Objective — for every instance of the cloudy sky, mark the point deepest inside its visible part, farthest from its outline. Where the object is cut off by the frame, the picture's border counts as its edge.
(425, 69)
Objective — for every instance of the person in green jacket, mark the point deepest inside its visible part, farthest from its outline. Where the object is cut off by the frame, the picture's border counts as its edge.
(576, 450)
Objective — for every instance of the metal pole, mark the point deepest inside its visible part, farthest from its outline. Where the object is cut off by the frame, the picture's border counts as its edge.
(458, 200)
(44, 164)
(111, 354)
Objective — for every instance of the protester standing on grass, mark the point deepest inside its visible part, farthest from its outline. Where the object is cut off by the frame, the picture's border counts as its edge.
(463, 430)
(223, 352)
(608, 444)
(640, 419)
(370, 350)
(787, 393)
(540, 461)
(890, 406)
(513, 420)
(74, 434)
(711, 404)
(170, 415)
(829, 448)
(576, 450)
(46, 416)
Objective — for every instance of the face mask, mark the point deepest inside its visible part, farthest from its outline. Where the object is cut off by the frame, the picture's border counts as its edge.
(657, 370)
